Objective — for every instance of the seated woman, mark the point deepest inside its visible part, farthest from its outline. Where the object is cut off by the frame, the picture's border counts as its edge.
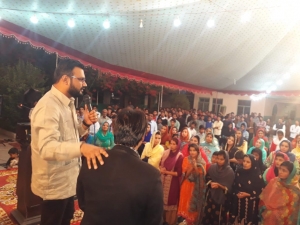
(260, 143)
(195, 140)
(171, 171)
(280, 200)
(193, 187)
(257, 153)
(153, 151)
(248, 185)
(240, 141)
(220, 178)
(280, 136)
(272, 172)
(104, 138)
(260, 134)
(208, 146)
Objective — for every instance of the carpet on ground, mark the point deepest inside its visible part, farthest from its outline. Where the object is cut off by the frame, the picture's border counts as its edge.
(8, 198)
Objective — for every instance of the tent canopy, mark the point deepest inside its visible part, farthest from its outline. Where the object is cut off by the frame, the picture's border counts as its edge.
(234, 46)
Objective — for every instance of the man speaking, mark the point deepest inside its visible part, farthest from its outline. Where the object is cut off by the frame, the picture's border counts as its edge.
(125, 190)
(55, 144)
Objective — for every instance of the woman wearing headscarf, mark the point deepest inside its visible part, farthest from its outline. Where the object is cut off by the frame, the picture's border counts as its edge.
(165, 137)
(171, 171)
(280, 136)
(184, 137)
(272, 171)
(208, 146)
(295, 141)
(104, 138)
(284, 147)
(153, 151)
(260, 143)
(280, 200)
(260, 134)
(296, 151)
(240, 141)
(192, 192)
(148, 134)
(257, 153)
(231, 150)
(248, 184)
(220, 178)
(215, 140)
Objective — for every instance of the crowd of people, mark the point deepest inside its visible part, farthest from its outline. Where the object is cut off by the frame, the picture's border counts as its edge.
(136, 167)
(236, 169)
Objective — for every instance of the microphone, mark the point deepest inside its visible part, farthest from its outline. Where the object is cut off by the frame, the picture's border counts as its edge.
(87, 101)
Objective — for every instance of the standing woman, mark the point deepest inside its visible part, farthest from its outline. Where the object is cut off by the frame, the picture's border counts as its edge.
(171, 171)
(165, 137)
(184, 137)
(231, 150)
(220, 178)
(280, 200)
(240, 142)
(192, 193)
(104, 138)
(248, 185)
(260, 143)
(153, 151)
(148, 134)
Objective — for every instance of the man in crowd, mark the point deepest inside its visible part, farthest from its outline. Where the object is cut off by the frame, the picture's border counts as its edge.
(104, 118)
(55, 145)
(152, 123)
(278, 126)
(217, 126)
(294, 130)
(195, 119)
(261, 123)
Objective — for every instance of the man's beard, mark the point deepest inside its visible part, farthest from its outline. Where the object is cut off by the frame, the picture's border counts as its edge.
(74, 92)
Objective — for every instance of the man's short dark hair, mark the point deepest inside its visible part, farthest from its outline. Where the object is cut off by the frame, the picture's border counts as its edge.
(130, 127)
(173, 120)
(13, 151)
(65, 67)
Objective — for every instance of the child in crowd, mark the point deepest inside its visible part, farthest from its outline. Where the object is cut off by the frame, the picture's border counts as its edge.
(214, 157)
(239, 156)
(13, 160)
(201, 133)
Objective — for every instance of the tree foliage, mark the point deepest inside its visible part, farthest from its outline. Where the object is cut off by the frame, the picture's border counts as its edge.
(180, 100)
(15, 81)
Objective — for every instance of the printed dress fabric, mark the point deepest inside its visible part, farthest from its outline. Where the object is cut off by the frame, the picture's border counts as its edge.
(171, 161)
(244, 211)
(280, 202)
(217, 202)
(192, 192)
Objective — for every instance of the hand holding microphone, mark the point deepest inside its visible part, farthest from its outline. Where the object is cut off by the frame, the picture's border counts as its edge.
(90, 116)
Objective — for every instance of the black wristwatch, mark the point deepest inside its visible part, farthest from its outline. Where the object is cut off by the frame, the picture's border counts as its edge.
(85, 124)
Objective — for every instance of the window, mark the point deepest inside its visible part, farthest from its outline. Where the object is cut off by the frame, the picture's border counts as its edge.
(203, 104)
(217, 102)
(244, 107)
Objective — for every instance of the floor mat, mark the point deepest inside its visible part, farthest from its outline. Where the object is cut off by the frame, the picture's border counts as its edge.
(8, 198)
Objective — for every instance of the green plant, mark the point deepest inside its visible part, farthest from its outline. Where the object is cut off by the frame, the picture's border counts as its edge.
(15, 80)
(180, 100)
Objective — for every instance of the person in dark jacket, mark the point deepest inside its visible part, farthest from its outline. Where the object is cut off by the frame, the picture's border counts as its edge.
(125, 190)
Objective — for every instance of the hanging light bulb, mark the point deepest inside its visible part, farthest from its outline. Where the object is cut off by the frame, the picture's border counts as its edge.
(177, 22)
(287, 76)
(34, 19)
(141, 24)
(71, 23)
(210, 23)
(246, 17)
(106, 24)
(279, 82)
(268, 91)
